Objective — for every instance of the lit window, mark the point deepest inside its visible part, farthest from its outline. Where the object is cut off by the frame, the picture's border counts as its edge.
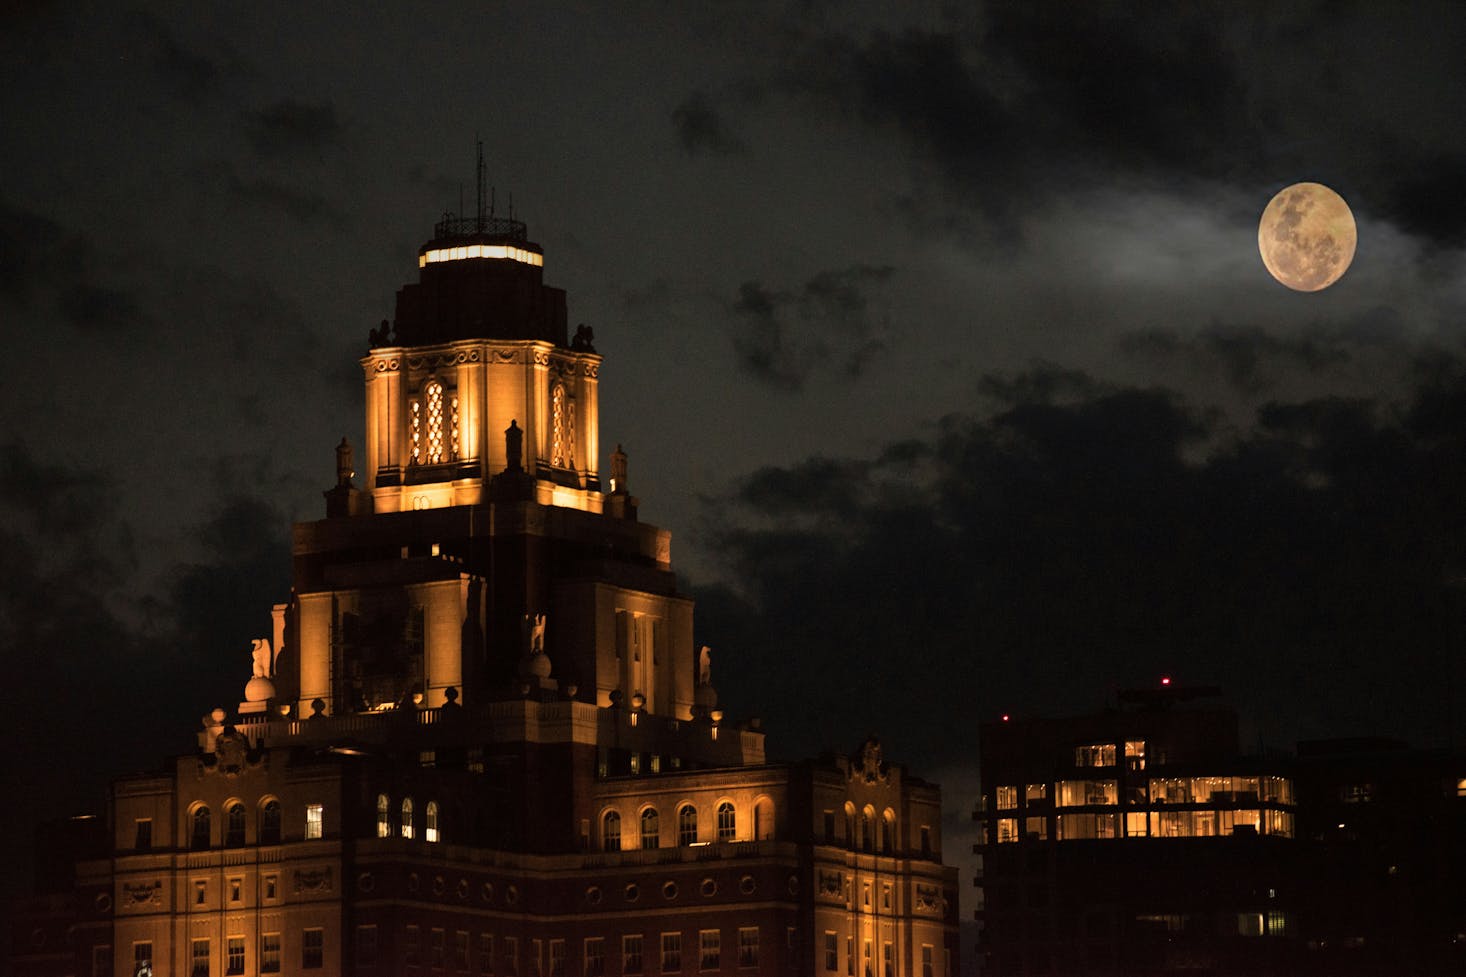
(1036, 829)
(269, 953)
(709, 949)
(631, 953)
(1095, 755)
(1007, 798)
(430, 822)
(234, 825)
(686, 825)
(1036, 793)
(1461, 787)
(562, 428)
(1077, 793)
(200, 966)
(748, 946)
(1357, 793)
(199, 837)
(384, 807)
(1135, 754)
(1081, 827)
(1007, 830)
(671, 952)
(651, 830)
(1136, 825)
(407, 817)
(315, 817)
(727, 822)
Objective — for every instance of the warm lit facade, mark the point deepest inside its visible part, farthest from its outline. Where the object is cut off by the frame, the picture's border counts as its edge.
(1130, 842)
(479, 738)
(1140, 841)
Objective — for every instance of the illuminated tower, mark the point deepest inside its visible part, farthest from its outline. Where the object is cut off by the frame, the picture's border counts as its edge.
(484, 525)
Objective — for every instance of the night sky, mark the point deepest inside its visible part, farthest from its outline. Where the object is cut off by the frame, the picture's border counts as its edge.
(940, 340)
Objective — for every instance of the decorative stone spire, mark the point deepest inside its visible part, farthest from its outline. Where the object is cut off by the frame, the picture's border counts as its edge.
(344, 472)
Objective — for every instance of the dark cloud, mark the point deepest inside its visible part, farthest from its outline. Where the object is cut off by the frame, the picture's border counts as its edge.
(782, 337)
(47, 269)
(1252, 359)
(1033, 559)
(306, 206)
(700, 128)
(290, 127)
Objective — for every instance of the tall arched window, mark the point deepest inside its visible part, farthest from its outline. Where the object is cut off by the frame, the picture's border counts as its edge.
(234, 825)
(430, 442)
(850, 840)
(407, 817)
(651, 828)
(867, 831)
(384, 808)
(430, 824)
(270, 823)
(557, 425)
(199, 833)
(611, 831)
(687, 825)
(888, 831)
(727, 822)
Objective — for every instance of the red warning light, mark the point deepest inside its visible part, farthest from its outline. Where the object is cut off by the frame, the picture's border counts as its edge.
(1005, 717)
(1165, 680)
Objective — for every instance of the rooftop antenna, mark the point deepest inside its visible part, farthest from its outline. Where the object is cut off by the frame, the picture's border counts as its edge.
(480, 211)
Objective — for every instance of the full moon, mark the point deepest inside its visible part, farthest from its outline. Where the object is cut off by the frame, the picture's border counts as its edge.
(1306, 237)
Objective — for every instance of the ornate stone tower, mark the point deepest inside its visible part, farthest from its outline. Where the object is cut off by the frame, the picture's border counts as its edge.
(484, 523)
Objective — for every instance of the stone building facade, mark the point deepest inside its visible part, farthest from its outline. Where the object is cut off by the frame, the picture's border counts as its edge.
(479, 738)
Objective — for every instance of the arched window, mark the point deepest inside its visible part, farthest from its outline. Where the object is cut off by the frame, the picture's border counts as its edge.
(651, 828)
(867, 831)
(727, 822)
(611, 831)
(234, 825)
(850, 825)
(430, 825)
(432, 426)
(270, 823)
(384, 808)
(407, 817)
(763, 819)
(199, 835)
(687, 825)
(888, 832)
(562, 427)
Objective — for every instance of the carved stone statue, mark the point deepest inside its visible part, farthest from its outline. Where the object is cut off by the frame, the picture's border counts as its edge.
(705, 666)
(514, 447)
(344, 471)
(534, 635)
(261, 653)
(584, 338)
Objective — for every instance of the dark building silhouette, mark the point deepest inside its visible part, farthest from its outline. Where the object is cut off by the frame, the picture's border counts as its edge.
(480, 739)
(1140, 840)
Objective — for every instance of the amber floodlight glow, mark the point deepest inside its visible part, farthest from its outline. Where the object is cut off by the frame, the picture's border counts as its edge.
(463, 252)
